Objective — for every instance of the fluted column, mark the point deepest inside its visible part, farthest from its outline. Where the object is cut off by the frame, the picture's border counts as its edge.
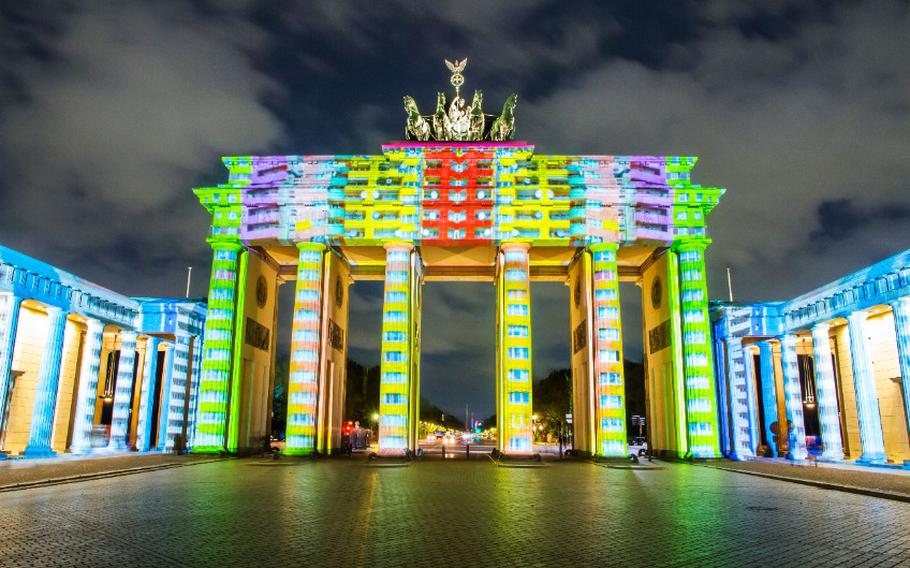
(39, 439)
(610, 424)
(793, 399)
(395, 364)
(84, 419)
(514, 350)
(147, 395)
(196, 375)
(769, 397)
(701, 395)
(303, 384)
(901, 309)
(211, 422)
(9, 323)
(172, 408)
(739, 399)
(870, 418)
(123, 392)
(826, 390)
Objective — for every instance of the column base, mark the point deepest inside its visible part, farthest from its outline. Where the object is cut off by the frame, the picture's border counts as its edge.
(299, 452)
(872, 460)
(38, 453)
(835, 456)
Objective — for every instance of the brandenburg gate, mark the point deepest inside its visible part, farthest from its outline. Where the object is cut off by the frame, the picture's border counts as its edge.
(458, 199)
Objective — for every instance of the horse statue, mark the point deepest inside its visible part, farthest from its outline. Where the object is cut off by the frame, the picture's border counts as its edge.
(503, 127)
(478, 120)
(417, 127)
(442, 127)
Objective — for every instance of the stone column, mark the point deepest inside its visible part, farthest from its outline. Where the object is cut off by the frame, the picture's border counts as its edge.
(514, 350)
(610, 423)
(172, 407)
(901, 308)
(123, 392)
(84, 419)
(147, 394)
(9, 323)
(793, 399)
(773, 426)
(303, 383)
(753, 399)
(219, 336)
(701, 403)
(395, 365)
(870, 419)
(194, 391)
(739, 399)
(826, 390)
(39, 439)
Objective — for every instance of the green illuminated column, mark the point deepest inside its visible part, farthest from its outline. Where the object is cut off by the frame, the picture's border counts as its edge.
(395, 366)
(514, 349)
(214, 387)
(610, 425)
(698, 371)
(303, 380)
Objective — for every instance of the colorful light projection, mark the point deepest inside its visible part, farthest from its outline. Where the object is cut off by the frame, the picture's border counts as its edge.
(514, 353)
(447, 194)
(395, 365)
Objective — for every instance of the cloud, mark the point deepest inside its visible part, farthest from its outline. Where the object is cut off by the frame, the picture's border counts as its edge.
(108, 131)
(785, 125)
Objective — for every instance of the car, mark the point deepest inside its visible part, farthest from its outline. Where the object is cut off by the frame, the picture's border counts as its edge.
(638, 446)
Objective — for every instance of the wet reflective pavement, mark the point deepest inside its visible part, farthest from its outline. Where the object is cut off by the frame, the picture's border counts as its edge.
(446, 513)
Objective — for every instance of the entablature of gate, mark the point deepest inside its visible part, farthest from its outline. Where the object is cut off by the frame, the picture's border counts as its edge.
(459, 194)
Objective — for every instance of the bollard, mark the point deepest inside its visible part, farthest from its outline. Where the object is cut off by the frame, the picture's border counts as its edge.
(443, 449)
(467, 451)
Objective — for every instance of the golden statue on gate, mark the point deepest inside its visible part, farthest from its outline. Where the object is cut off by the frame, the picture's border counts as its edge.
(455, 121)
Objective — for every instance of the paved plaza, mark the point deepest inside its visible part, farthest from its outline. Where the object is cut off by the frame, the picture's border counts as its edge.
(287, 512)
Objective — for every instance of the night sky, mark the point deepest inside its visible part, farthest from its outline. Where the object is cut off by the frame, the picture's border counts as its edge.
(111, 112)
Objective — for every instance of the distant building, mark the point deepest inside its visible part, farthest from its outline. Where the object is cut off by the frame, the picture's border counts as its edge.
(84, 369)
(826, 374)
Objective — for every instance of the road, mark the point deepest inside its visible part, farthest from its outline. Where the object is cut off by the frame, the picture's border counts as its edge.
(446, 513)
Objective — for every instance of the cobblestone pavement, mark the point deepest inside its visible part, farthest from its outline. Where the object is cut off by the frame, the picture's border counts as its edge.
(893, 481)
(440, 514)
(23, 471)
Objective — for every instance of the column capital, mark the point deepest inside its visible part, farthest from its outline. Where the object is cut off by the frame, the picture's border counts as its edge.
(788, 339)
(152, 340)
(220, 243)
(94, 325)
(691, 243)
(56, 311)
(398, 245)
(901, 304)
(596, 247)
(129, 334)
(857, 317)
(734, 340)
(309, 245)
(820, 328)
(515, 245)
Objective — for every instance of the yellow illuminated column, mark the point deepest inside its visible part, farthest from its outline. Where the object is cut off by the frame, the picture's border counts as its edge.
(300, 434)
(514, 349)
(395, 365)
(610, 426)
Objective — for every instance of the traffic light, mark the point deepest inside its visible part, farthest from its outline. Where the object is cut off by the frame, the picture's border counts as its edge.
(348, 427)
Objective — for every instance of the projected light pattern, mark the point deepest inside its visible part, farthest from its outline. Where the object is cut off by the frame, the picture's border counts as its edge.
(608, 364)
(395, 364)
(698, 368)
(219, 336)
(515, 349)
(123, 392)
(303, 382)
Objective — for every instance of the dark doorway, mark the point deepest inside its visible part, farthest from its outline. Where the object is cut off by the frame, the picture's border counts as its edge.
(156, 401)
(110, 381)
